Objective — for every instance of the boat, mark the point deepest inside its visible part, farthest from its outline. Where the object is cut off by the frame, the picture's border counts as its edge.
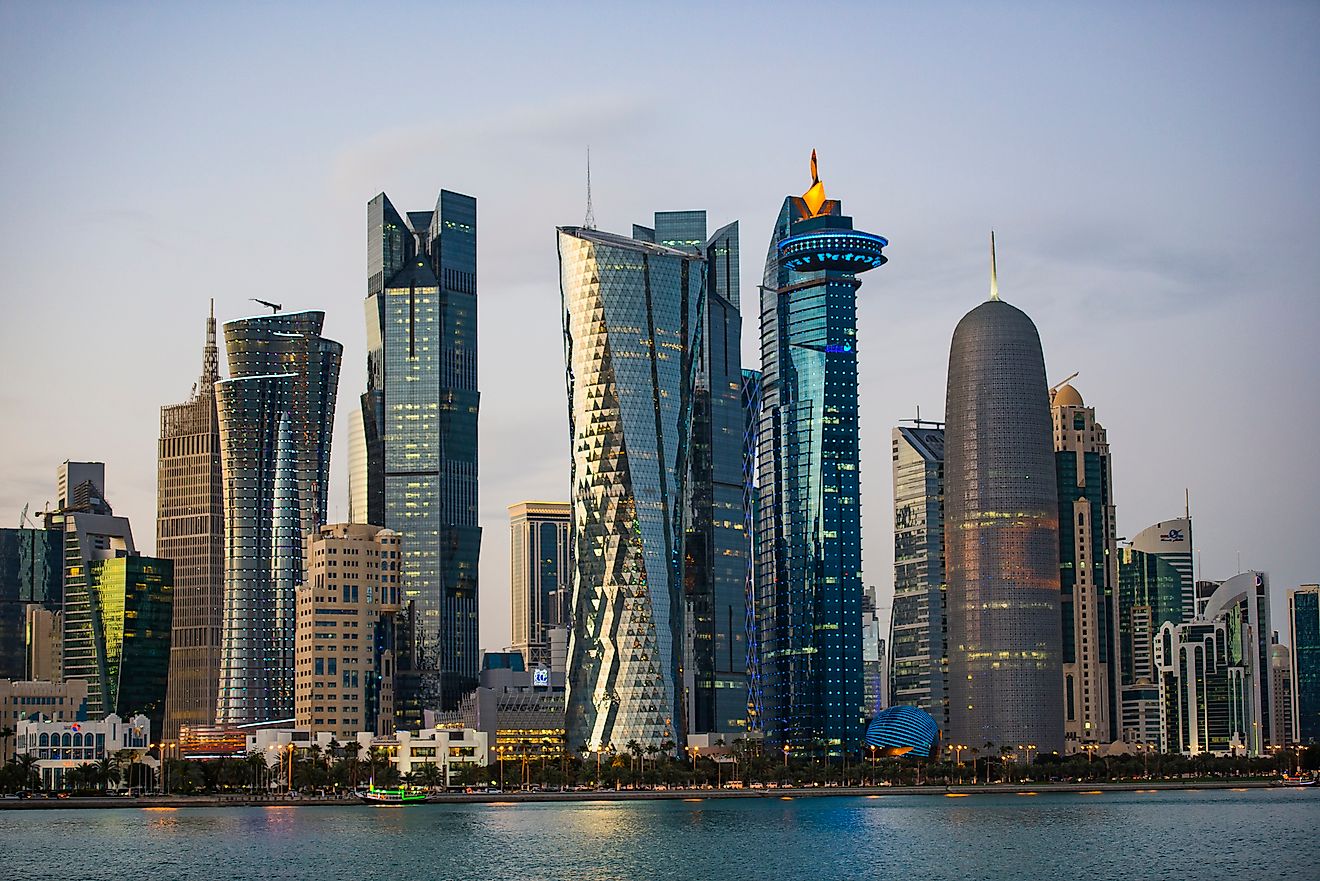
(1289, 780)
(401, 796)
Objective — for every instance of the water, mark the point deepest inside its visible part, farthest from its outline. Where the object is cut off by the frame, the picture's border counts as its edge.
(1203, 835)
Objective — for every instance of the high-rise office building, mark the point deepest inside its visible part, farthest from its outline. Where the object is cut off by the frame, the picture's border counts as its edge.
(1304, 643)
(632, 322)
(344, 681)
(1001, 535)
(875, 675)
(1150, 595)
(716, 546)
(1243, 602)
(540, 575)
(31, 574)
(751, 407)
(918, 662)
(44, 637)
(419, 417)
(190, 531)
(1171, 540)
(1281, 673)
(1204, 690)
(276, 413)
(808, 537)
(1088, 572)
(131, 604)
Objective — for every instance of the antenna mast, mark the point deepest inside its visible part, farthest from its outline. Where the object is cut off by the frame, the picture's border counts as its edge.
(590, 221)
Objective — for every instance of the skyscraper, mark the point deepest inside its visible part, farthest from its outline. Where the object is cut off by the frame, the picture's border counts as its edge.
(540, 575)
(1001, 534)
(1304, 642)
(632, 326)
(190, 531)
(716, 547)
(1088, 572)
(809, 546)
(419, 417)
(276, 414)
(1150, 595)
(1242, 603)
(751, 407)
(919, 666)
(31, 574)
(1171, 540)
(1285, 730)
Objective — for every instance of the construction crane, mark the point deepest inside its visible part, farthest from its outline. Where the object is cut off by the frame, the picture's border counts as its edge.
(1055, 388)
(274, 307)
(22, 518)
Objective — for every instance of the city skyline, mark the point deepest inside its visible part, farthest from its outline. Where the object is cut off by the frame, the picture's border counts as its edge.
(1185, 310)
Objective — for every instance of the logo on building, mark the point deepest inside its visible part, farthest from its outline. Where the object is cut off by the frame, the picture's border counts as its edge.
(541, 676)
(1173, 535)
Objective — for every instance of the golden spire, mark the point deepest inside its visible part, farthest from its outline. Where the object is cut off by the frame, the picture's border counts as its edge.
(994, 277)
(815, 196)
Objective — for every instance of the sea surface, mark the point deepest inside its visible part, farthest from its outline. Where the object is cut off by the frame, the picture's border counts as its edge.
(1272, 834)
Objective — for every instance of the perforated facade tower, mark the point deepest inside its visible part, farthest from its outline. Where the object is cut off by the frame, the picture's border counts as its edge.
(419, 420)
(190, 531)
(1001, 536)
(631, 317)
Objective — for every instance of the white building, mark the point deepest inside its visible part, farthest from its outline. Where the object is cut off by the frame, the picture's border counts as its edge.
(60, 746)
(447, 748)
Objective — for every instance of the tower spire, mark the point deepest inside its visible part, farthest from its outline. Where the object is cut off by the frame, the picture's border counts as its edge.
(211, 356)
(589, 222)
(994, 276)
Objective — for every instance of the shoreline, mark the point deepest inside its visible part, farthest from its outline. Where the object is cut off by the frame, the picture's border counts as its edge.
(513, 798)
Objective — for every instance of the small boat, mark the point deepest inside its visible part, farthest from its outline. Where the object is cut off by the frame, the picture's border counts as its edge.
(401, 796)
(1289, 780)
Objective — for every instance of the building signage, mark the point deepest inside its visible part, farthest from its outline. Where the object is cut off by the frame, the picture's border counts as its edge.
(541, 676)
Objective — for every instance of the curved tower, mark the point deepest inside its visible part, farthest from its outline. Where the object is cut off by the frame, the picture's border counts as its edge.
(1002, 535)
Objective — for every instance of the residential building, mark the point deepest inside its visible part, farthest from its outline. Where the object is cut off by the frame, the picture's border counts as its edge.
(808, 533)
(540, 574)
(1150, 595)
(53, 701)
(276, 413)
(1304, 640)
(61, 745)
(1171, 540)
(419, 417)
(919, 663)
(1001, 534)
(631, 313)
(31, 577)
(190, 531)
(1088, 572)
(345, 630)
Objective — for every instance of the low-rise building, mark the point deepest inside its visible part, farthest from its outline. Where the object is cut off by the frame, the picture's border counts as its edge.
(61, 746)
(449, 749)
(520, 711)
(39, 699)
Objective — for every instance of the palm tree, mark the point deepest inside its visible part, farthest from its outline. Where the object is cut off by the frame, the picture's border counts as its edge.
(29, 772)
(635, 749)
(107, 773)
(5, 734)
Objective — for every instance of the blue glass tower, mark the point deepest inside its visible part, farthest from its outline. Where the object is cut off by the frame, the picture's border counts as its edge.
(808, 547)
(419, 418)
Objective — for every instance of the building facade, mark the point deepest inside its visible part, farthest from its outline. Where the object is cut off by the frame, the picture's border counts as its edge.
(60, 746)
(1001, 535)
(419, 416)
(919, 664)
(540, 575)
(1171, 540)
(1088, 572)
(39, 699)
(1304, 639)
(190, 531)
(1243, 603)
(44, 636)
(631, 318)
(808, 535)
(31, 576)
(1284, 728)
(751, 407)
(519, 709)
(276, 413)
(1204, 690)
(1150, 595)
(345, 630)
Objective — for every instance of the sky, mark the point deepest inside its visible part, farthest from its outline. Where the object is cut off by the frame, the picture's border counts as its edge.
(1150, 171)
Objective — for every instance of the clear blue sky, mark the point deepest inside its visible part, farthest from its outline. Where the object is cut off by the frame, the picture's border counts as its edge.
(1152, 174)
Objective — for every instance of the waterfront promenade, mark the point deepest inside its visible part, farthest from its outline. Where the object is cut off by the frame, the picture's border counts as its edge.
(630, 795)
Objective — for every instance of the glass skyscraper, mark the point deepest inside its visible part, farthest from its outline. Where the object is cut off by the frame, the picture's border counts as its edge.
(276, 412)
(190, 531)
(419, 425)
(1088, 572)
(751, 405)
(1304, 631)
(1001, 536)
(1171, 540)
(919, 671)
(540, 575)
(632, 315)
(1150, 595)
(31, 573)
(808, 542)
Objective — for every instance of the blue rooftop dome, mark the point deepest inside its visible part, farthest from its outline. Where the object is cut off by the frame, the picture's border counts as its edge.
(903, 730)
